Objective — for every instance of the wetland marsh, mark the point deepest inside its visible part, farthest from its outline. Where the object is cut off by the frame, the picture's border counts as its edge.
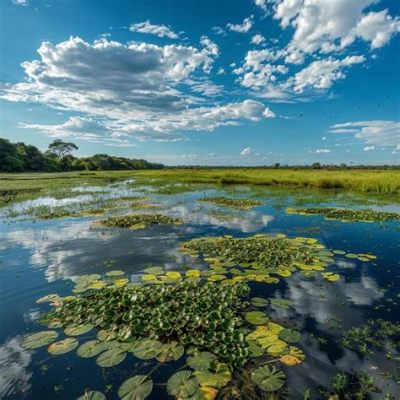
(158, 285)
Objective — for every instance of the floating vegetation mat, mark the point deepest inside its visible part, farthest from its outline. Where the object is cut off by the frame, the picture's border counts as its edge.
(265, 258)
(343, 214)
(139, 221)
(219, 328)
(244, 204)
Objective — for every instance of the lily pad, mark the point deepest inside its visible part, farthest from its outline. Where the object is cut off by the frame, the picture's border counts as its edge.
(171, 351)
(39, 339)
(92, 395)
(281, 303)
(110, 358)
(201, 361)
(269, 379)
(256, 317)
(63, 346)
(105, 335)
(136, 388)
(289, 335)
(77, 330)
(116, 272)
(182, 384)
(92, 348)
(259, 302)
(147, 349)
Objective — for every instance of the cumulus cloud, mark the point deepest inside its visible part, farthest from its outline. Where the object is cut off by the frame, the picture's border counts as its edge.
(382, 133)
(262, 4)
(369, 148)
(136, 89)
(322, 151)
(244, 27)
(257, 39)
(322, 73)
(327, 26)
(152, 29)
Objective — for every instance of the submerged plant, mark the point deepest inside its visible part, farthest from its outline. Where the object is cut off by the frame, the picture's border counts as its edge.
(347, 214)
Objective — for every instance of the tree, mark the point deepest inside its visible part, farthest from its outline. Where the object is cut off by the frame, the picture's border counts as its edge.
(316, 165)
(61, 148)
(277, 165)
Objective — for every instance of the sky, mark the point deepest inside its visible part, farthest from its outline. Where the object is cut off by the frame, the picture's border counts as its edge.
(205, 82)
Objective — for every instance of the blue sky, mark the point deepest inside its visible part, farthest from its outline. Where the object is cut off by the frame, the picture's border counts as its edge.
(238, 82)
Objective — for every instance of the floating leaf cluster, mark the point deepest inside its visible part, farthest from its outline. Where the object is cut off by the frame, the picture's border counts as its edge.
(238, 203)
(347, 214)
(203, 315)
(258, 257)
(140, 221)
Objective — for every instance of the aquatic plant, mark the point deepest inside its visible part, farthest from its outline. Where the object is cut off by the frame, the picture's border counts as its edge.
(212, 322)
(261, 256)
(243, 204)
(375, 333)
(343, 214)
(139, 221)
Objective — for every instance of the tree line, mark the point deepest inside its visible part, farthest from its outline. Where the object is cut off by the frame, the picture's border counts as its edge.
(21, 157)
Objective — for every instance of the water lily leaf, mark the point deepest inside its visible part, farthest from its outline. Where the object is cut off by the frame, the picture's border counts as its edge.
(91, 348)
(39, 339)
(136, 388)
(171, 351)
(296, 352)
(259, 302)
(116, 272)
(287, 359)
(149, 278)
(281, 303)
(277, 348)
(193, 273)
(255, 349)
(92, 395)
(105, 335)
(289, 335)
(173, 275)
(77, 330)
(267, 378)
(110, 358)
(256, 317)
(201, 361)
(147, 348)
(216, 380)
(121, 282)
(63, 346)
(182, 384)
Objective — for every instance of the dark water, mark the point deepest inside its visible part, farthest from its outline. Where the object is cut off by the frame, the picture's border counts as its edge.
(42, 257)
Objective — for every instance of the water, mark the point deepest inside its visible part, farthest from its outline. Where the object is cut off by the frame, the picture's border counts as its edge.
(41, 257)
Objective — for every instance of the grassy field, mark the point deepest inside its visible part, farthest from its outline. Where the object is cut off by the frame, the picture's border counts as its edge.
(377, 182)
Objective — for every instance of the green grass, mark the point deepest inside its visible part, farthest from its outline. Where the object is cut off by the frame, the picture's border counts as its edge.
(31, 185)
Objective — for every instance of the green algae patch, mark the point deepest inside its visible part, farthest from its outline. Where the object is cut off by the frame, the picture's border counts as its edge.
(139, 221)
(243, 204)
(345, 215)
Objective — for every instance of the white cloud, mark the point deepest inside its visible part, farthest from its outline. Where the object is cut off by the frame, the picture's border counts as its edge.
(247, 151)
(23, 3)
(257, 39)
(138, 89)
(152, 29)
(322, 73)
(322, 151)
(369, 148)
(244, 27)
(377, 28)
(329, 26)
(382, 133)
(261, 3)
